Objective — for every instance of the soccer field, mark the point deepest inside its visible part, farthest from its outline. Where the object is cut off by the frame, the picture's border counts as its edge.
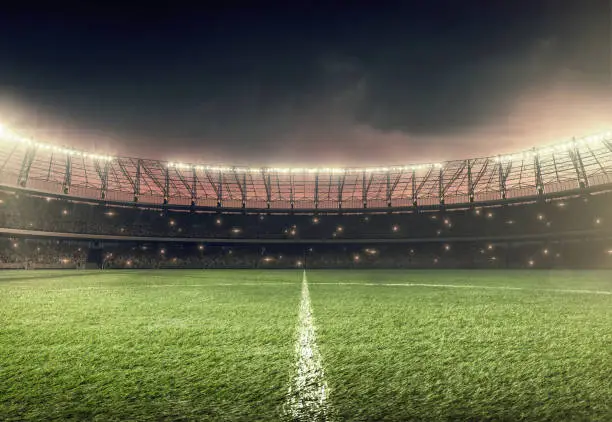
(244, 345)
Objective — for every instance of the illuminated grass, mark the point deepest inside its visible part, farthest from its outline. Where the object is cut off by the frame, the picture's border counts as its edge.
(423, 353)
(123, 350)
(219, 345)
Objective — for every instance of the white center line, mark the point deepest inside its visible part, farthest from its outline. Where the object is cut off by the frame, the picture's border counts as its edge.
(308, 391)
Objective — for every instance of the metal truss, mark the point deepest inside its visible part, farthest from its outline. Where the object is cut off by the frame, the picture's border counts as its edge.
(535, 172)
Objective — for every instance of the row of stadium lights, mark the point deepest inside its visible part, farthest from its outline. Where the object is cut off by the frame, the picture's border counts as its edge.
(311, 170)
(588, 140)
(8, 134)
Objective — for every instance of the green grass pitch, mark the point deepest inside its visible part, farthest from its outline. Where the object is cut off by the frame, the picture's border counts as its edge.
(220, 345)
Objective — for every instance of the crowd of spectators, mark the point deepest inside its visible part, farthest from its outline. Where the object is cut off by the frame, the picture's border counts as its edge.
(481, 237)
(36, 253)
(21, 211)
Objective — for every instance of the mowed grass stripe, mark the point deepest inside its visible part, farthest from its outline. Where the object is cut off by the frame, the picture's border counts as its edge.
(464, 354)
(263, 283)
(146, 354)
(466, 286)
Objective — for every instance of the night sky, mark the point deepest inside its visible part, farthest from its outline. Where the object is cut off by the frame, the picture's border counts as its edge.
(312, 84)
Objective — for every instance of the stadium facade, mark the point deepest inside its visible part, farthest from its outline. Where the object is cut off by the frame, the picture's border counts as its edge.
(545, 207)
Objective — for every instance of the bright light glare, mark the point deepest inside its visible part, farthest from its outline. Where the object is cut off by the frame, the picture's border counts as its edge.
(7, 134)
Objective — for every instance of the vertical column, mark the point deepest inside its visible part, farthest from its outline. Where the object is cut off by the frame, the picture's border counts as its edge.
(316, 189)
(268, 190)
(26, 164)
(137, 181)
(67, 175)
(502, 181)
(470, 182)
(364, 190)
(167, 186)
(291, 194)
(194, 187)
(388, 196)
(244, 190)
(538, 173)
(220, 190)
(104, 186)
(574, 153)
(441, 186)
(414, 192)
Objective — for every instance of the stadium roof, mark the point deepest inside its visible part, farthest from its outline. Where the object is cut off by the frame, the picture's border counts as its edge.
(564, 166)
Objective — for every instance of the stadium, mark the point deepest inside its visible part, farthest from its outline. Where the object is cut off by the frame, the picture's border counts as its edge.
(541, 208)
(373, 247)
(398, 211)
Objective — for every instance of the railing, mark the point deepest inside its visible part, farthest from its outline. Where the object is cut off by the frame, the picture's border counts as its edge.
(562, 235)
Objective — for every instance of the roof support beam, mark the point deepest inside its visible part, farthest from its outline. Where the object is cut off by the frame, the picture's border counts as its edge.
(127, 174)
(166, 185)
(470, 182)
(266, 180)
(316, 190)
(538, 173)
(441, 186)
(11, 155)
(453, 179)
(574, 154)
(418, 189)
(103, 175)
(341, 180)
(137, 180)
(67, 175)
(503, 177)
(291, 192)
(364, 190)
(220, 190)
(194, 187)
(155, 180)
(556, 168)
(244, 190)
(388, 188)
(391, 190)
(26, 164)
(414, 189)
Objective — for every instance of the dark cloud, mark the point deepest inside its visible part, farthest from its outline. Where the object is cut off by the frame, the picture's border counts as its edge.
(318, 83)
